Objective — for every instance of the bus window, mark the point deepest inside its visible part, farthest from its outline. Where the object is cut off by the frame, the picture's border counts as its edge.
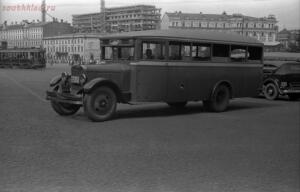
(201, 52)
(153, 51)
(117, 53)
(107, 53)
(126, 53)
(220, 50)
(255, 53)
(186, 51)
(174, 51)
(238, 53)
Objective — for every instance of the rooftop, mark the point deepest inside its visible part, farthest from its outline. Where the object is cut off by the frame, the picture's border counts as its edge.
(199, 16)
(74, 35)
(29, 25)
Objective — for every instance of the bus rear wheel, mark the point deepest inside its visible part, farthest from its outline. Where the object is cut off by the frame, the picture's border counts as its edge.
(219, 100)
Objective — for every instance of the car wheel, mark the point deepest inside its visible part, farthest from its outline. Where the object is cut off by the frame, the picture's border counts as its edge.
(294, 97)
(177, 105)
(270, 91)
(219, 100)
(100, 104)
(64, 109)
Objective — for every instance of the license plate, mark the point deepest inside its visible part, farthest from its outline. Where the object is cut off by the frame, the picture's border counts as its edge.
(74, 79)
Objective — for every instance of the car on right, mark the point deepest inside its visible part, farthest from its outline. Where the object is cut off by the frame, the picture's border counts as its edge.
(282, 80)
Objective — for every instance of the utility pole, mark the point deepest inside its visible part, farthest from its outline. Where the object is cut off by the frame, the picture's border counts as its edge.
(103, 13)
(243, 21)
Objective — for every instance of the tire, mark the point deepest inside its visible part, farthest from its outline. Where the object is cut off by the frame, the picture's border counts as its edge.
(270, 91)
(177, 105)
(64, 109)
(219, 100)
(294, 96)
(100, 104)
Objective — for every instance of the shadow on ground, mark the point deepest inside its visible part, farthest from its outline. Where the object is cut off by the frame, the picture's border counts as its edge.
(163, 110)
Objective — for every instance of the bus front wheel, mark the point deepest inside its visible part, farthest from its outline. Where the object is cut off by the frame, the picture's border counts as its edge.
(100, 104)
(219, 100)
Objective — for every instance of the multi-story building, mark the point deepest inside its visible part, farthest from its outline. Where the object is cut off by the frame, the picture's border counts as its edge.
(263, 29)
(27, 35)
(289, 40)
(72, 48)
(88, 23)
(119, 19)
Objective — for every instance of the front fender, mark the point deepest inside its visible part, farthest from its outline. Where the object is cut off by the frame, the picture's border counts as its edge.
(55, 80)
(89, 86)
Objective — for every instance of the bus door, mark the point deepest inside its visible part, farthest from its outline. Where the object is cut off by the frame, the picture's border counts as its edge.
(177, 81)
(150, 73)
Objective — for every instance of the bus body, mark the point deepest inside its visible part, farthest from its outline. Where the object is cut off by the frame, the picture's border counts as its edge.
(172, 66)
(22, 58)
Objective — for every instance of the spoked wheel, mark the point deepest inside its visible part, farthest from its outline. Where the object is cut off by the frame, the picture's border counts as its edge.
(177, 105)
(219, 100)
(64, 109)
(100, 105)
(270, 91)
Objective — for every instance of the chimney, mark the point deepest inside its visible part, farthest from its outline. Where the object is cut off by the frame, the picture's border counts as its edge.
(102, 8)
(43, 11)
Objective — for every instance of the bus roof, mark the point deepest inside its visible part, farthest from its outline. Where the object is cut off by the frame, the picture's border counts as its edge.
(187, 34)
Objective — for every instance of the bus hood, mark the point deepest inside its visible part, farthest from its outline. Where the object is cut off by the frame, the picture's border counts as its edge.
(116, 67)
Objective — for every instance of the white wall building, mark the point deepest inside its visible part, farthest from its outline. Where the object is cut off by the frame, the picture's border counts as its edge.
(263, 29)
(29, 35)
(72, 48)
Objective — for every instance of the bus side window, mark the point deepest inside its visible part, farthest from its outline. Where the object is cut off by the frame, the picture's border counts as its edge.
(238, 53)
(201, 52)
(186, 52)
(220, 53)
(255, 54)
(153, 51)
(174, 51)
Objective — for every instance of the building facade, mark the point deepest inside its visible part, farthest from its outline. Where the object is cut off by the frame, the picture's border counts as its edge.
(89, 23)
(72, 48)
(289, 40)
(119, 19)
(28, 35)
(263, 29)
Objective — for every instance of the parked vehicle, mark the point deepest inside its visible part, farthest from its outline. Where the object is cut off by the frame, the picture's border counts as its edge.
(172, 66)
(22, 58)
(282, 80)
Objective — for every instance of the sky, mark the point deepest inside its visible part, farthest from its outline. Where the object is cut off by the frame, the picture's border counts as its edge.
(287, 12)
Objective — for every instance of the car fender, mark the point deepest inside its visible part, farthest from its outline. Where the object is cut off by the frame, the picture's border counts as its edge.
(272, 80)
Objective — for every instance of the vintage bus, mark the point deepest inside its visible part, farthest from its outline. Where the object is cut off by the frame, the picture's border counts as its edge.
(22, 58)
(172, 66)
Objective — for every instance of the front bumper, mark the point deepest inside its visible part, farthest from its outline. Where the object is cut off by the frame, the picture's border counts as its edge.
(290, 91)
(64, 97)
